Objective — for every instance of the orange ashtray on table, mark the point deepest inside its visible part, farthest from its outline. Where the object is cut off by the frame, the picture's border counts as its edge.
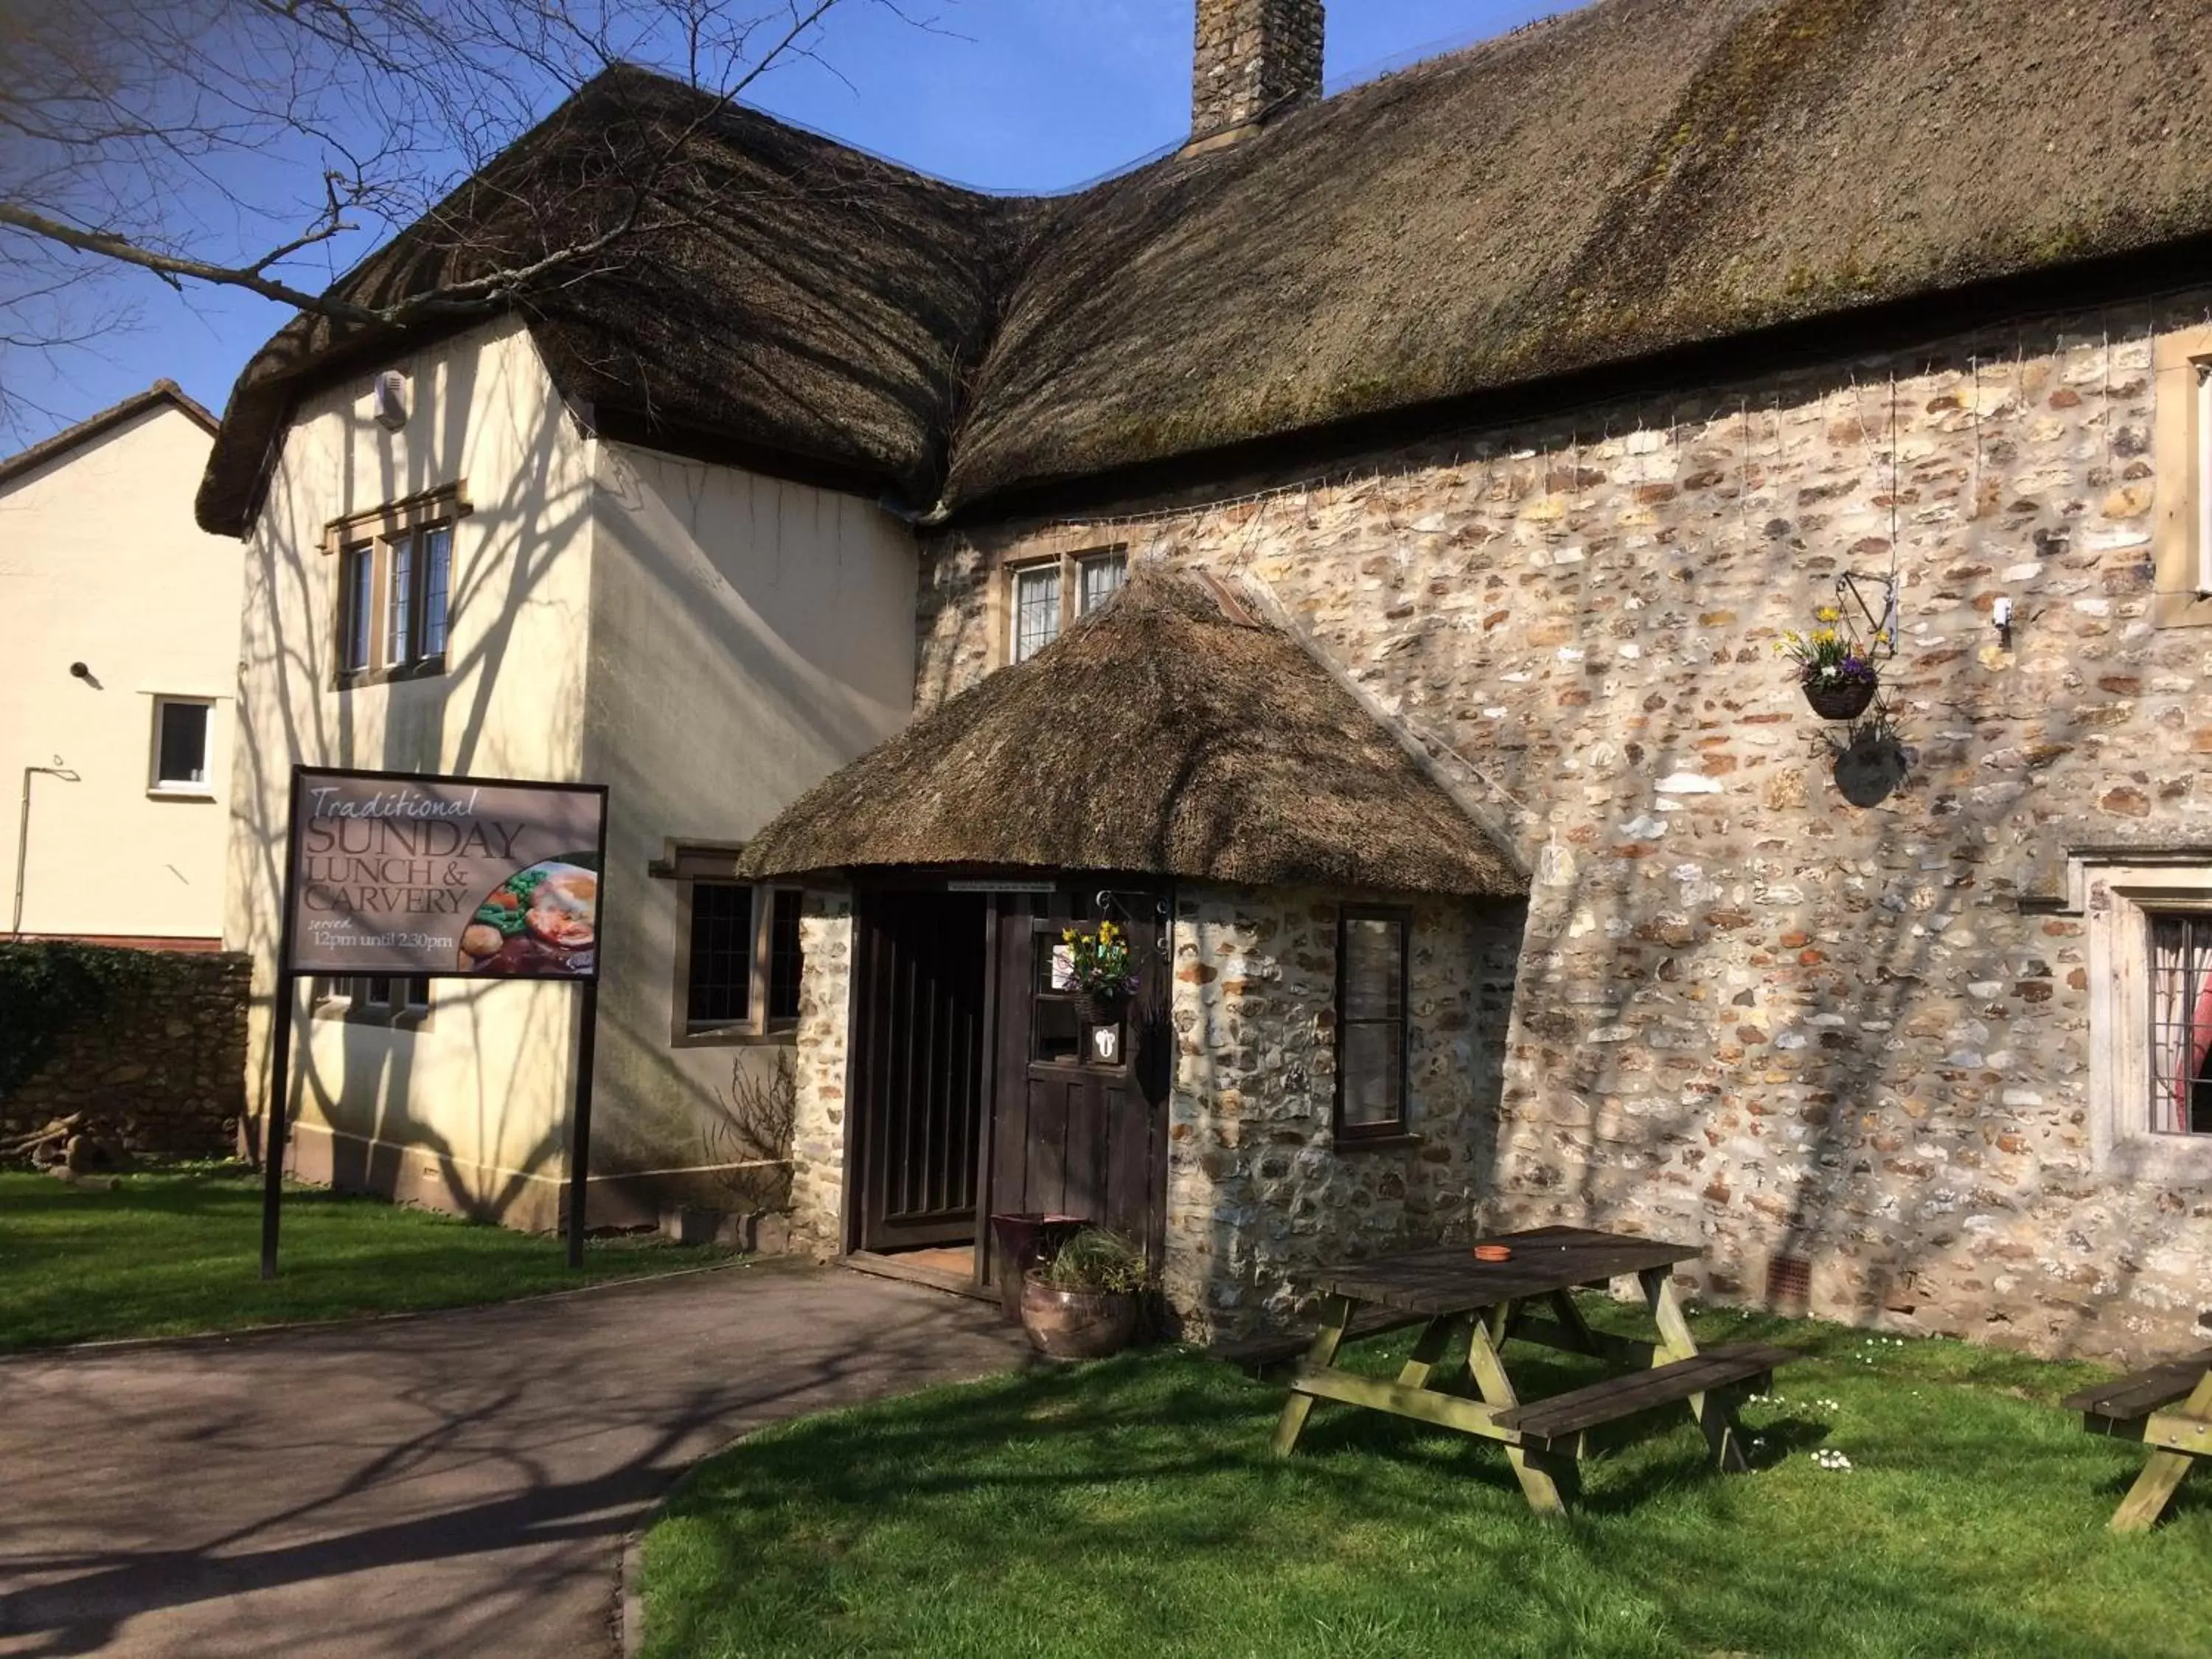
(1493, 1252)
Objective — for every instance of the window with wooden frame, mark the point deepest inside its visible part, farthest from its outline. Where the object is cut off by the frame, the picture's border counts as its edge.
(1372, 956)
(738, 961)
(395, 588)
(372, 998)
(2181, 527)
(1044, 596)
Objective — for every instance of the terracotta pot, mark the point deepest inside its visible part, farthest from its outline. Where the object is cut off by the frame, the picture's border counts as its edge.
(1077, 1324)
(1838, 700)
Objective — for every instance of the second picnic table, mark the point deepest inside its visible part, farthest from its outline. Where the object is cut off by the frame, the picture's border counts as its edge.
(1452, 1292)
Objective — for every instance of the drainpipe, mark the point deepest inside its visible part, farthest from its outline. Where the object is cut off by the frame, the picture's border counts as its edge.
(23, 832)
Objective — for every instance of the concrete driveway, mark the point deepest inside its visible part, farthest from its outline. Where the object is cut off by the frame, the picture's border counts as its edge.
(455, 1484)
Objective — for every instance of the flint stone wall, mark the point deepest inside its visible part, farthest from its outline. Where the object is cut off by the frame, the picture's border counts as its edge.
(1750, 1011)
(1258, 1193)
(818, 1130)
(162, 1067)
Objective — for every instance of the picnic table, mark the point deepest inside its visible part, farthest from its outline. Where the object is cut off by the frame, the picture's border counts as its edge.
(1453, 1293)
(2136, 1407)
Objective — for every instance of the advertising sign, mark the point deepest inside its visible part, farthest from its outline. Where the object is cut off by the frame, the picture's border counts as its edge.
(401, 874)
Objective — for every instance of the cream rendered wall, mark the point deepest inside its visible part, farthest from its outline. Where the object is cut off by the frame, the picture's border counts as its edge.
(101, 563)
(747, 637)
(469, 1112)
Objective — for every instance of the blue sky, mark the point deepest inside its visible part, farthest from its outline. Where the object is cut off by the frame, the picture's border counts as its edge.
(1007, 95)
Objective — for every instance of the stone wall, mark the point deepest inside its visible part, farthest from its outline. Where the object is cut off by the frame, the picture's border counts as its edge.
(818, 1133)
(162, 1065)
(1789, 1006)
(1258, 1189)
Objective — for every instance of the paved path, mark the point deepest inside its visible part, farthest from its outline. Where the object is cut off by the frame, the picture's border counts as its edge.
(456, 1484)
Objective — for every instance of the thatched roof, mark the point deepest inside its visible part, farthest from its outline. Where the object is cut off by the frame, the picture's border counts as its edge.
(790, 302)
(1630, 179)
(1162, 735)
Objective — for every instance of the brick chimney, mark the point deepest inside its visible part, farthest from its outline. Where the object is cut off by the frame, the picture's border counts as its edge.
(1253, 57)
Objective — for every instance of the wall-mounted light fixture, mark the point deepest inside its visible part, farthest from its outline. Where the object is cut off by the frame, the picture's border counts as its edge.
(79, 671)
(2000, 614)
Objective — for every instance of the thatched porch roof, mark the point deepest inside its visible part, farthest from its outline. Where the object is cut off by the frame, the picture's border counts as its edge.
(1164, 735)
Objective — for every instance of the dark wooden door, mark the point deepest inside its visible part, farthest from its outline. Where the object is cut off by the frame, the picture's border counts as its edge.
(1072, 1132)
(920, 1000)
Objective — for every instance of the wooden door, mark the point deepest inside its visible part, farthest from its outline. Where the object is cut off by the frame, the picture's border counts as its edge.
(917, 1078)
(1072, 1133)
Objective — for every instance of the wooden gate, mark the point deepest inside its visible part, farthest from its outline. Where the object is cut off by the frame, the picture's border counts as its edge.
(920, 997)
(1074, 1132)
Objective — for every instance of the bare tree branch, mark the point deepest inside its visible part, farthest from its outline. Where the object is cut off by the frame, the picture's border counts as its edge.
(265, 145)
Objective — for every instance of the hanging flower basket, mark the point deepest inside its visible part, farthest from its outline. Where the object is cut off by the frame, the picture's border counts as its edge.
(1839, 699)
(1835, 670)
(1101, 972)
(1100, 1007)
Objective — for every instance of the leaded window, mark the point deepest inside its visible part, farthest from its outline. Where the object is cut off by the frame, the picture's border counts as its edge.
(1371, 1023)
(2181, 1023)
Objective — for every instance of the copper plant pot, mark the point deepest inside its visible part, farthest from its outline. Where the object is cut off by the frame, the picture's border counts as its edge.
(1077, 1324)
(1838, 700)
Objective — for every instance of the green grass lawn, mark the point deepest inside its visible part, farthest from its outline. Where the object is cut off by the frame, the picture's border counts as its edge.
(1131, 1509)
(179, 1251)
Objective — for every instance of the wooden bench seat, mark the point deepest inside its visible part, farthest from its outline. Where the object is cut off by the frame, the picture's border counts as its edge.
(1273, 1348)
(2141, 1392)
(1566, 1416)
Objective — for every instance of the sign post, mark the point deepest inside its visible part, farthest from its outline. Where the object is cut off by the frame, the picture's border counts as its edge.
(419, 875)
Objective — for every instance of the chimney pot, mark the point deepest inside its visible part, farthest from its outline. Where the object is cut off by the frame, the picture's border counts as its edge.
(1251, 58)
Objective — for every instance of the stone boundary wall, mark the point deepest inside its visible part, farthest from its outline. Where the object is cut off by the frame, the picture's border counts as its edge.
(163, 1064)
(1795, 1009)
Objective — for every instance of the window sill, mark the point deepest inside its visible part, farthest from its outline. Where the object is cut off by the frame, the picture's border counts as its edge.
(430, 668)
(345, 1013)
(180, 792)
(736, 1037)
(2164, 1159)
(1395, 1141)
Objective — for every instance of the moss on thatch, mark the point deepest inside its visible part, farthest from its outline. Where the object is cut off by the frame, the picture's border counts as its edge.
(1159, 735)
(1630, 178)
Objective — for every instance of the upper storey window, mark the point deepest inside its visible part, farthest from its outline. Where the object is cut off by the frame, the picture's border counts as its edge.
(394, 612)
(1047, 595)
(2181, 516)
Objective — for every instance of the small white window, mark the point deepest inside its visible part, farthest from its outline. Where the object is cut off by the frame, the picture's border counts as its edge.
(1102, 576)
(1037, 610)
(180, 745)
